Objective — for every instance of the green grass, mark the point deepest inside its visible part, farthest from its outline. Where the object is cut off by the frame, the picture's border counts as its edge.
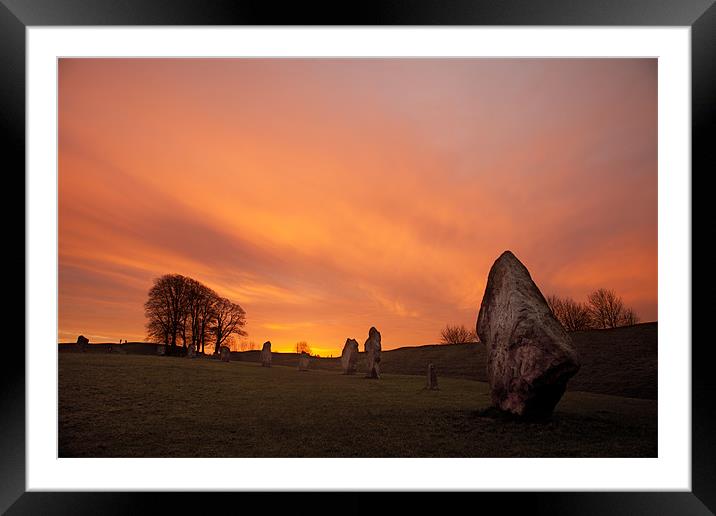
(120, 405)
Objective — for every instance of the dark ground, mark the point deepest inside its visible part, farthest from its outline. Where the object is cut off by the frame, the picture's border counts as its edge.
(122, 404)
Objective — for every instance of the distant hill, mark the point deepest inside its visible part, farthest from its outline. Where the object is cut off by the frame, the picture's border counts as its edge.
(619, 361)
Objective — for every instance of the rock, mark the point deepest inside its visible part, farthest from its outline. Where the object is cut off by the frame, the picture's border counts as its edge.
(372, 350)
(266, 354)
(529, 355)
(432, 378)
(191, 351)
(349, 356)
(225, 354)
(82, 343)
(303, 361)
(161, 350)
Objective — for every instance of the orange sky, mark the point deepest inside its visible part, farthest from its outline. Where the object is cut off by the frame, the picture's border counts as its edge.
(329, 195)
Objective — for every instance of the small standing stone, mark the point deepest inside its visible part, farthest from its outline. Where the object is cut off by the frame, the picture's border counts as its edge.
(191, 351)
(266, 354)
(349, 356)
(82, 343)
(432, 378)
(161, 349)
(225, 354)
(303, 361)
(372, 350)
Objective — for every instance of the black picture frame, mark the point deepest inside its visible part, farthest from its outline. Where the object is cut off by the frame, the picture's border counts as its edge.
(699, 15)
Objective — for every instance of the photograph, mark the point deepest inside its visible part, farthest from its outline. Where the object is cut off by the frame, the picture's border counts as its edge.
(357, 257)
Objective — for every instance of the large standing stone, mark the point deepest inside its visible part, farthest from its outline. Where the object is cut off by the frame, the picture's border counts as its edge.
(349, 356)
(432, 378)
(191, 351)
(225, 354)
(529, 355)
(161, 349)
(266, 354)
(372, 351)
(82, 343)
(303, 361)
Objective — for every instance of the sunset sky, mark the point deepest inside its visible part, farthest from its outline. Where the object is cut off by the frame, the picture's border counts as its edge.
(326, 196)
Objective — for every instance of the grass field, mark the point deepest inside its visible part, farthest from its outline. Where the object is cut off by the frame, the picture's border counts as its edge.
(123, 405)
(619, 361)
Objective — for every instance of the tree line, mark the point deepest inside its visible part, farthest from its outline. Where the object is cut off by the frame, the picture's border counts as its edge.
(183, 309)
(603, 309)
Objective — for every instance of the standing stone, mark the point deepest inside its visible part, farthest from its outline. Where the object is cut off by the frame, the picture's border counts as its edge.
(303, 361)
(266, 354)
(161, 349)
(349, 356)
(529, 355)
(191, 351)
(432, 378)
(82, 343)
(372, 350)
(225, 354)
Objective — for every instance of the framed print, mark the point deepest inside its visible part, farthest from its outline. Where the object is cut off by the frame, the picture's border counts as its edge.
(410, 248)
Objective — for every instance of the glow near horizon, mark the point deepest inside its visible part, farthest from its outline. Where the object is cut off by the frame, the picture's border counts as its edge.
(327, 196)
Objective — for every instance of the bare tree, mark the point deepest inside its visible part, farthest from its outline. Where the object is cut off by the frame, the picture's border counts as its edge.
(201, 301)
(247, 345)
(556, 305)
(607, 310)
(229, 319)
(206, 316)
(573, 315)
(157, 330)
(629, 317)
(303, 347)
(165, 308)
(181, 307)
(457, 334)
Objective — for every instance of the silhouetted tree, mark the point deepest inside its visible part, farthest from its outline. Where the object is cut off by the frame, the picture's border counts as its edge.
(201, 302)
(573, 316)
(158, 330)
(607, 310)
(457, 334)
(247, 345)
(303, 346)
(229, 319)
(629, 317)
(182, 307)
(166, 308)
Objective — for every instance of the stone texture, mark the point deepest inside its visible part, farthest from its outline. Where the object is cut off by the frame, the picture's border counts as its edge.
(191, 351)
(529, 355)
(432, 378)
(82, 343)
(303, 361)
(266, 354)
(349, 356)
(161, 349)
(225, 354)
(372, 351)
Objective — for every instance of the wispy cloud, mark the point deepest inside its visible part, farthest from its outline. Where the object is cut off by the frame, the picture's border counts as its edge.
(328, 196)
